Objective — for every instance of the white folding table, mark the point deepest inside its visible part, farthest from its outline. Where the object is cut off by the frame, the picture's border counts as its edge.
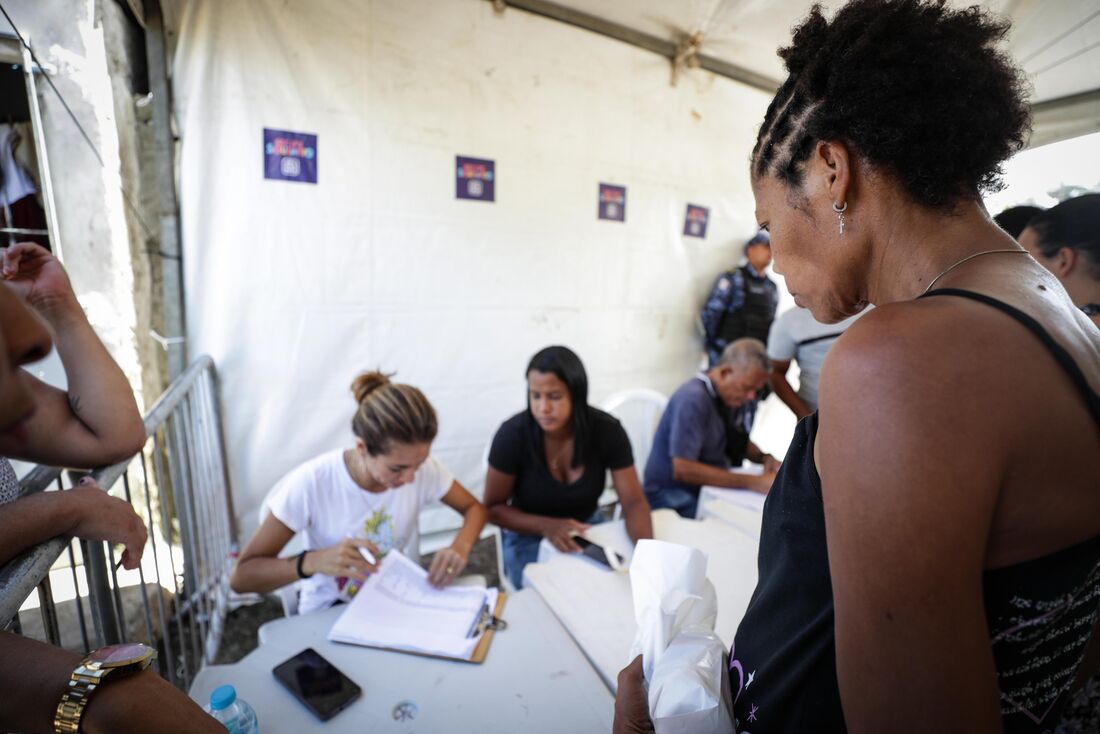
(596, 606)
(534, 679)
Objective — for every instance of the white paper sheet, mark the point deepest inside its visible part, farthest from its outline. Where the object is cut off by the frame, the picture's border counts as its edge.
(397, 608)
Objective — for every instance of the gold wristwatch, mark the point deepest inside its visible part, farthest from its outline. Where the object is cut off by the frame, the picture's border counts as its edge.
(114, 660)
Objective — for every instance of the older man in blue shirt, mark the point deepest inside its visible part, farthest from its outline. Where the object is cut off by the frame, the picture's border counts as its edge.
(690, 446)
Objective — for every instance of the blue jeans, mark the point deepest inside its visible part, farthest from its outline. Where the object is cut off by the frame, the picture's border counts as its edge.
(520, 549)
(675, 498)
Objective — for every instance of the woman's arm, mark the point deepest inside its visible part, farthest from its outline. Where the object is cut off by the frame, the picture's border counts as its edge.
(95, 421)
(910, 473)
(559, 531)
(636, 512)
(259, 568)
(784, 390)
(449, 562)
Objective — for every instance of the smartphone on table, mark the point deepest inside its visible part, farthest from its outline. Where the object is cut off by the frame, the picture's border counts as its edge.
(598, 553)
(317, 683)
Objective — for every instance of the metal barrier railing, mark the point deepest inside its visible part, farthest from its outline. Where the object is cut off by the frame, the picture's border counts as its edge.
(179, 486)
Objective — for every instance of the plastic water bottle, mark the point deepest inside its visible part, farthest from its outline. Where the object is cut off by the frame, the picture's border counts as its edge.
(234, 713)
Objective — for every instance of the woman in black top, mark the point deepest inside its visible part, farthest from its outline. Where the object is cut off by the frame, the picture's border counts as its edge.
(548, 465)
(930, 550)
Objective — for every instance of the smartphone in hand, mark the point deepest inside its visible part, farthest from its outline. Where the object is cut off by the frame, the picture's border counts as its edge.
(598, 553)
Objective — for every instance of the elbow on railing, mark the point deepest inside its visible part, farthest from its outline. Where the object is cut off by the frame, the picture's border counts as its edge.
(123, 446)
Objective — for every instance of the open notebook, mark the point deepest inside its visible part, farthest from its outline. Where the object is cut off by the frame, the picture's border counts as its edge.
(398, 609)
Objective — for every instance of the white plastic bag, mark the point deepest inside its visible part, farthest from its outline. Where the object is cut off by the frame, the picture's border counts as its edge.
(684, 661)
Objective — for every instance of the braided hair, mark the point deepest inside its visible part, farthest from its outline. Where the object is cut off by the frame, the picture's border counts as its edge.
(918, 89)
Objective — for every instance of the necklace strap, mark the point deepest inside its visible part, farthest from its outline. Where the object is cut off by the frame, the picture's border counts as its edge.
(969, 258)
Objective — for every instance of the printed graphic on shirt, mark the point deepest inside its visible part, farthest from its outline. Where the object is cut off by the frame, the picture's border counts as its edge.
(737, 672)
(1039, 646)
(379, 530)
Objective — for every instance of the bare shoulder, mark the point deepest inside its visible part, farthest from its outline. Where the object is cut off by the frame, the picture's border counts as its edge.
(923, 340)
(911, 396)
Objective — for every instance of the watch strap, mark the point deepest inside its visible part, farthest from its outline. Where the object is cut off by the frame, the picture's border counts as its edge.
(71, 708)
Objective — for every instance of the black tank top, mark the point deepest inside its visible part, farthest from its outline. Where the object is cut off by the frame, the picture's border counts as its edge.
(1040, 613)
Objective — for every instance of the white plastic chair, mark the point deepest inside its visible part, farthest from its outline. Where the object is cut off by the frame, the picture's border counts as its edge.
(639, 411)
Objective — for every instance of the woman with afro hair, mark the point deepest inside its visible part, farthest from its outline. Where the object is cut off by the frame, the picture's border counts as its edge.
(930, 553)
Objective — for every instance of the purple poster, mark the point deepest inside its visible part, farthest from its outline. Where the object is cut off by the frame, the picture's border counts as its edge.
(475, 178)
(613, 202)
(695, 221)
(290, 156)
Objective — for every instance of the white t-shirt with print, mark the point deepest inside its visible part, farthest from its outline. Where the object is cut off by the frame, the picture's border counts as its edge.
(320, 500)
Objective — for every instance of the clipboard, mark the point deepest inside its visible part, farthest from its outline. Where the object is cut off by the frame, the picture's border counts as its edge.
(487, 624)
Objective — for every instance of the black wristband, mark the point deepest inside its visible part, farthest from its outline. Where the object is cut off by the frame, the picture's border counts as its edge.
(302, 574)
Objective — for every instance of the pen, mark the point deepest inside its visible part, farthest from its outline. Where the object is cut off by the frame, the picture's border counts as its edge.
(367, 555)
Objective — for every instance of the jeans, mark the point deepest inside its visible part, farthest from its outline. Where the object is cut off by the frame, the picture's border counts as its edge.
(674, 498)
(520, 549)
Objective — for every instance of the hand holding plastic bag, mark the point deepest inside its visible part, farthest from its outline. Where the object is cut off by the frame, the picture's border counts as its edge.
(683, 660)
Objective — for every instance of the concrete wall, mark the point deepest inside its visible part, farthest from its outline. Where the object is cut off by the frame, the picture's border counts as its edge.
(91, 48)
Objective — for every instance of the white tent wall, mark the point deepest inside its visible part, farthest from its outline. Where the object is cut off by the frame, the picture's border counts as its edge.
(294, 288)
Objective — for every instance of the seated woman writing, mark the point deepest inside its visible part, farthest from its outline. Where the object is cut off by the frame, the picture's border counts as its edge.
(365, 497)
(548, 465)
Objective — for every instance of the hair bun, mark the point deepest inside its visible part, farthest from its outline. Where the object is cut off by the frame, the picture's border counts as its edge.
(808, 39)
(368, 382)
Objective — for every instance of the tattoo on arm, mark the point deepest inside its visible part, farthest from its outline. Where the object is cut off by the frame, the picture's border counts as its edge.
(74, 404)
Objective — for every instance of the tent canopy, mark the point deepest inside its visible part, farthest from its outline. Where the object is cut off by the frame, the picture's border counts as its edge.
(1056, 43)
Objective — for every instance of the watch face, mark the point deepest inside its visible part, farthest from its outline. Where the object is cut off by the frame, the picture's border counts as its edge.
(125, 654)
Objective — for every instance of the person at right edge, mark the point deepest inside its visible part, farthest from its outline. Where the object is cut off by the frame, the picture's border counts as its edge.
(1065, 239)
(930, 549)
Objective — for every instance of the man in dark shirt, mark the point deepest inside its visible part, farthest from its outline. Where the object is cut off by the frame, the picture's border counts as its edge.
(689, 449)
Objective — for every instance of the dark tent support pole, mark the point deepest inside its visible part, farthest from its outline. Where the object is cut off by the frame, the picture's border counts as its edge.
(171, 257)
(645, 41)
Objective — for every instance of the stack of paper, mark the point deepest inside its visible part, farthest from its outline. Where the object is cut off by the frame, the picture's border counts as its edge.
(398, 609)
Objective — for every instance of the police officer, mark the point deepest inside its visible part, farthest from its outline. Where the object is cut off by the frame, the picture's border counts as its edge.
(743, 301)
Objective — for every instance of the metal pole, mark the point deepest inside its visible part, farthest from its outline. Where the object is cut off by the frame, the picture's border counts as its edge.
(40, 151)
(639, 39)
(167, 206)
(100, 598)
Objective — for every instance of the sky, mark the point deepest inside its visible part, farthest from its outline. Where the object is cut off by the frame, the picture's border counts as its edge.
(1031, 175)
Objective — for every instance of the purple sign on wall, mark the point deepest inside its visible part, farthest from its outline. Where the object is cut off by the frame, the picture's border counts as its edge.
(475, 178)
(695, 221)
(290, 156)
(613, 202)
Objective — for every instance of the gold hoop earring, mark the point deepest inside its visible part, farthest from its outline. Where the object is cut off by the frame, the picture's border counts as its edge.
(840, 215)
